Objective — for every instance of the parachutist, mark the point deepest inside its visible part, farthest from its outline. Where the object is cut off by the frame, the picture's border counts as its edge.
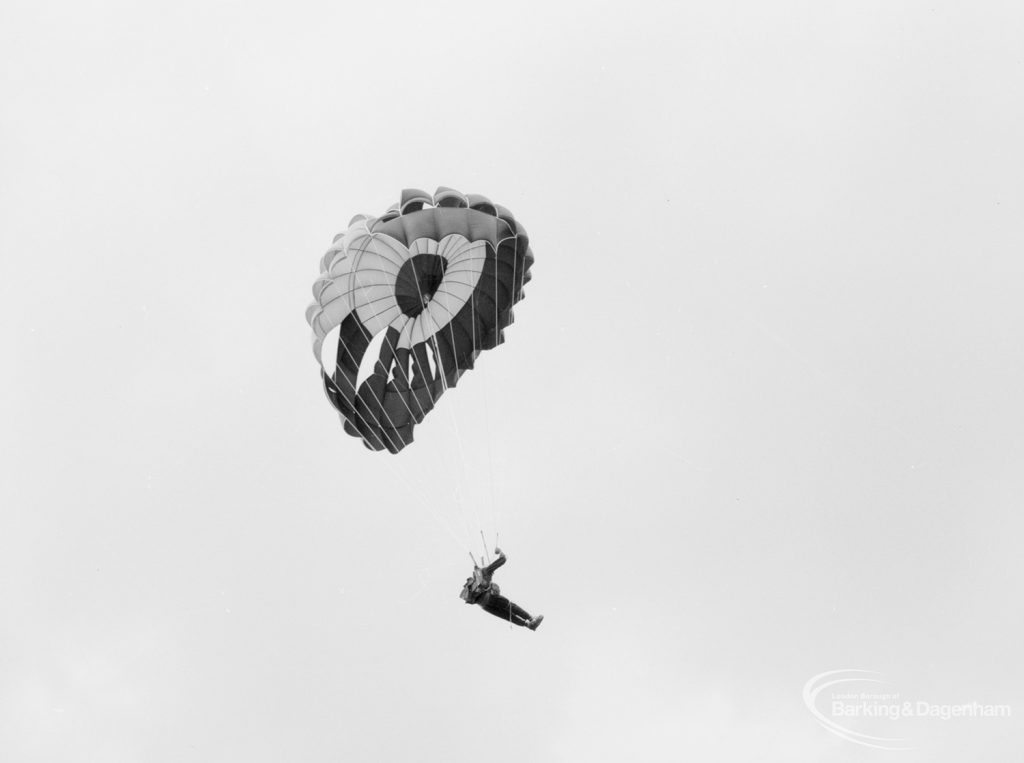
(479, 589)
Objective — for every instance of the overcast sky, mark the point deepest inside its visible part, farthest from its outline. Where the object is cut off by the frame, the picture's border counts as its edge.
(759, 416)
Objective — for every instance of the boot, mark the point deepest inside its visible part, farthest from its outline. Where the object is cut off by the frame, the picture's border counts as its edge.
(535, 622)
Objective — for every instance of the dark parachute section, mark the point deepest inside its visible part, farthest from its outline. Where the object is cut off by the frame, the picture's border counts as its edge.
(429, 285)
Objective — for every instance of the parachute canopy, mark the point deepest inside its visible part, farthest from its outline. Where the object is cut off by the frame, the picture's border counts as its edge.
(414, 296)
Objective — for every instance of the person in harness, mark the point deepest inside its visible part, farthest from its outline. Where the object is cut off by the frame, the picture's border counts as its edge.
(479, 589)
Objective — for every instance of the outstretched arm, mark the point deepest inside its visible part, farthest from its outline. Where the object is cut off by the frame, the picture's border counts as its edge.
(490, 568)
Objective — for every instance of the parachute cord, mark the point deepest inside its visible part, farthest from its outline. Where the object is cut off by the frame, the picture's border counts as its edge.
(452, 414)
(380, 402)
(356, 411)
(497, 328)
(460, 543)
(423, 586)
(487, 557)
(378, 399)
(354, 274)
(394, 428)
(488, 431)
(514, 238)
(488, 435)
(439, 368)
(458, 439)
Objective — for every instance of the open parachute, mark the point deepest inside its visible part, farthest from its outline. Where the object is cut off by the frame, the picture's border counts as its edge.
(414, 297)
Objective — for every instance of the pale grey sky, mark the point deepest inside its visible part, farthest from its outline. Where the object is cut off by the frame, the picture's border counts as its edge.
(759, 416)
